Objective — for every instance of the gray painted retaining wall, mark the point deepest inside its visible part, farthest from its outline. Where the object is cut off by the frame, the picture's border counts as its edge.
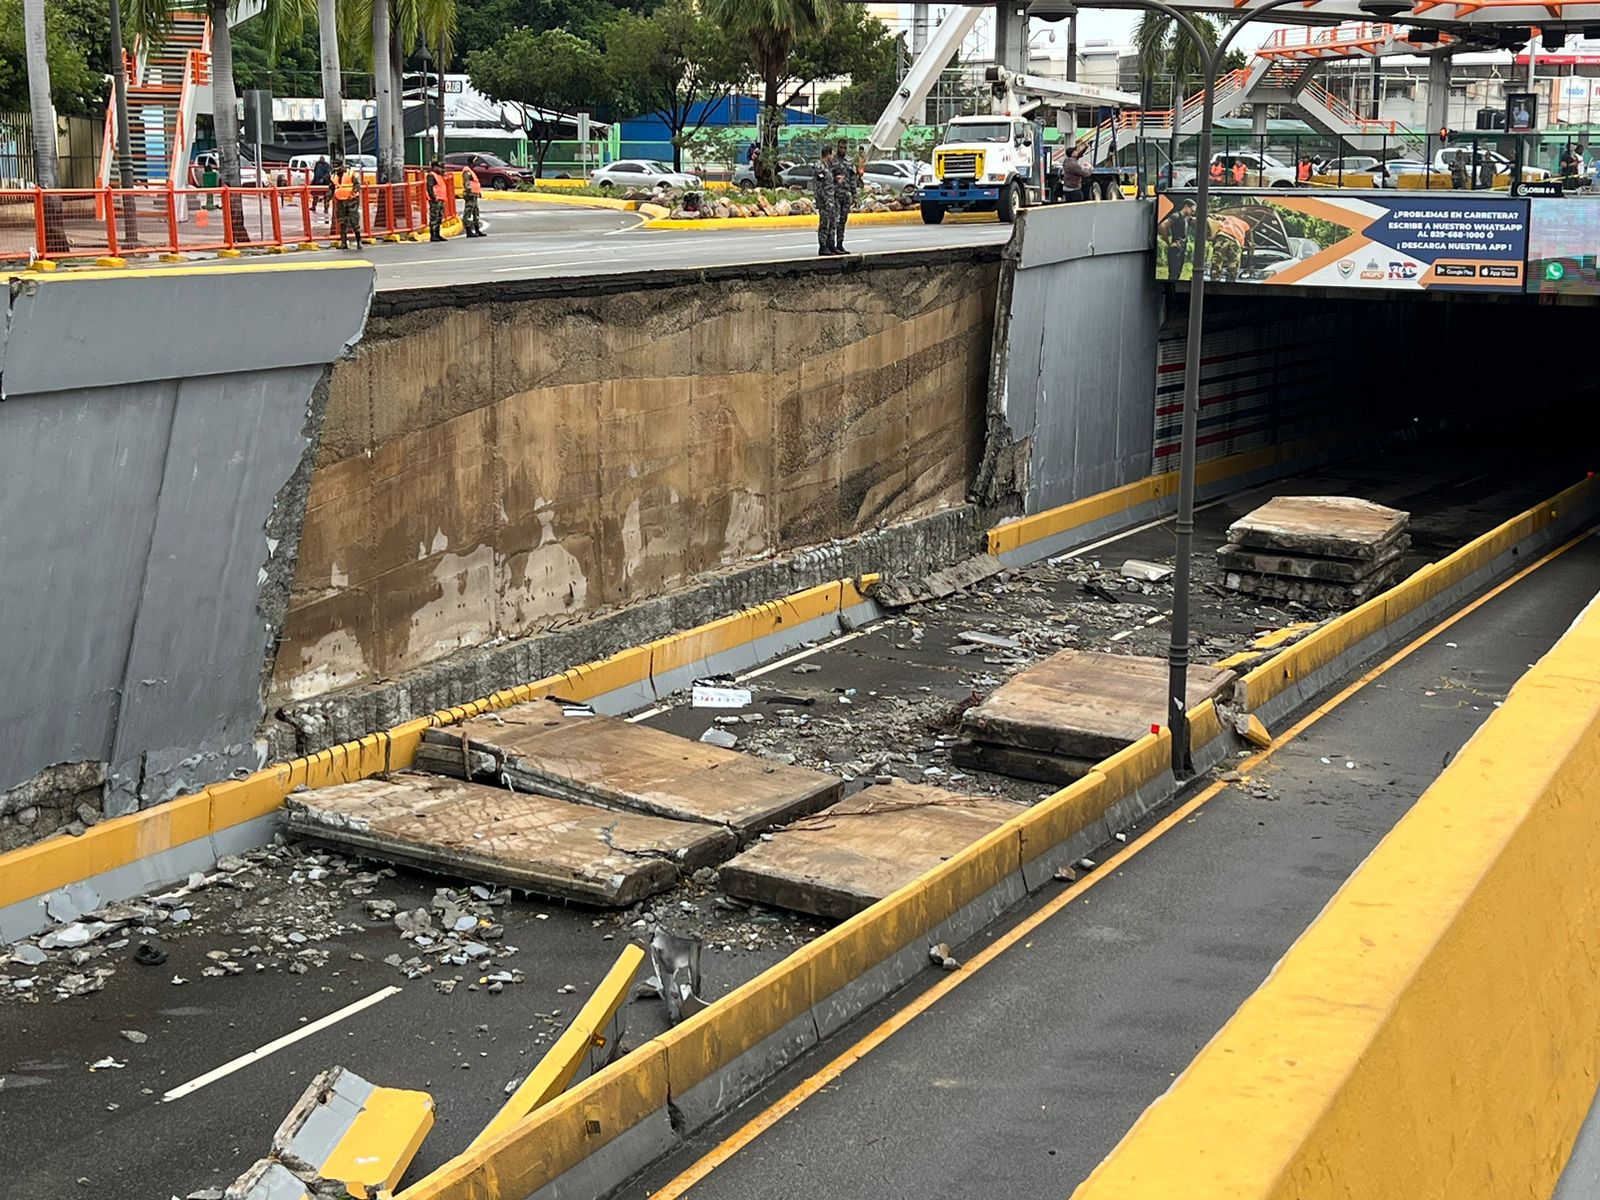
(1075, 363)
(156, 434)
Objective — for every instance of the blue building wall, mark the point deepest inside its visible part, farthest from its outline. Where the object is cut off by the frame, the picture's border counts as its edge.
(647, 136)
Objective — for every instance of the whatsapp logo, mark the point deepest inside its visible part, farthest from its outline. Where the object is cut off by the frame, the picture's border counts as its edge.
(1554, 272)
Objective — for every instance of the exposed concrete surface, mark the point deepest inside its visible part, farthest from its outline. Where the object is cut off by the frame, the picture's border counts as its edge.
(509, 465)
(1072, 396)
(150, 554)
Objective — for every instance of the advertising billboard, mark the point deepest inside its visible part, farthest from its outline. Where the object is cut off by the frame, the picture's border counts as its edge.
(1430, 242)
(1564, 246)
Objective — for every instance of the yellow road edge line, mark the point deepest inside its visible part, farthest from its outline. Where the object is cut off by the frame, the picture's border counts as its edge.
(555, 1070)
(775, 1112)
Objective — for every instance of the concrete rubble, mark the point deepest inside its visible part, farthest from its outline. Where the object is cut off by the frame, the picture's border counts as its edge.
(1325, 551)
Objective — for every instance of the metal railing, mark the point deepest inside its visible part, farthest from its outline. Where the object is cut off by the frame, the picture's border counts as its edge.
(93, 223)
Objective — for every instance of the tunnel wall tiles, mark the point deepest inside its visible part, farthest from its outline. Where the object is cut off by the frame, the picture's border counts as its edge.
(487, 473)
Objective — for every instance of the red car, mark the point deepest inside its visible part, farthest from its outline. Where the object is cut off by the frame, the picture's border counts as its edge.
(492, 170)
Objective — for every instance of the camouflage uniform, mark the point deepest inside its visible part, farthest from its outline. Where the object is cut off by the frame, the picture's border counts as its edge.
(846, 183)
(822, 191)
(346, 212)
(1224, 258)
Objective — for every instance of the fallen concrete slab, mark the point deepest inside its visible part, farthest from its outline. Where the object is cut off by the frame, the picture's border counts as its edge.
(553, 847)
(599, 760)
(1309, 566)
(1083, 705)
(1327, 526)
(845, 858)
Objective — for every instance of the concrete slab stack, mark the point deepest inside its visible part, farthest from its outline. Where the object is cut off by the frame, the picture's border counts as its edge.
(1326, 551)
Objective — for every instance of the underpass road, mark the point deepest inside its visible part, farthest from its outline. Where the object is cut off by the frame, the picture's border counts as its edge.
(536, 241)
(1018, 1081)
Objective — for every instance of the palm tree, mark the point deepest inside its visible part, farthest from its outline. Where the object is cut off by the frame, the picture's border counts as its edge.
(42, 115)
(41, 110)
(1161, 44)
(332, 89)
(384, 99)
(771, 27)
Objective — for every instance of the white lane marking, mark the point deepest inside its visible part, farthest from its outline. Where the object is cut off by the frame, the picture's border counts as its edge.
(772, 666)
(1080, 551)
(272, 1047)
(803, 654)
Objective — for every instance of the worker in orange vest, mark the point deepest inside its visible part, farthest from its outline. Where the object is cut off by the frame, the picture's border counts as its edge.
(471, 192)
(344, 189)
(1239, 172)
(1216, 171)
(436, 190)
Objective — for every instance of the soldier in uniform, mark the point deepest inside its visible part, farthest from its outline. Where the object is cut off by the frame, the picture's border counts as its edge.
(344, 189)
(471, 194)
(822, 191)
(846, 184)
(436, 187)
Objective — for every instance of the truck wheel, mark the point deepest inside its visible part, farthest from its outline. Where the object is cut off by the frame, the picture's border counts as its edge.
(932, 213)
(1011, 201)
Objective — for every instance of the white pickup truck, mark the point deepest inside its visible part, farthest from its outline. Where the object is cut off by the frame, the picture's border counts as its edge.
(1472, 161)
(1261, 170)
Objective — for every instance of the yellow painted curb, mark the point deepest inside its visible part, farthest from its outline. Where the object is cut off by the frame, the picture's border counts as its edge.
(522, 1159)
(171, 258)
(44, 264)
(1432, 1033)
(230, 253)
(556, 1069)
(381, 1142)
(310, 246)
(111, 261)
(809, 221)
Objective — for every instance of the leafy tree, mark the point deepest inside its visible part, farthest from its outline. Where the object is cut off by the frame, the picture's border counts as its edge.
(669, 62)
(484, 22)
(851, 43)
(771, 30)
(874, 69)
(1164, 46)
(76, 36)
(552, 70)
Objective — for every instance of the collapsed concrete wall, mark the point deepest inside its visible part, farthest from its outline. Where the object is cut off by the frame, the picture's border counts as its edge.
(1072, 390)
(156, 438)
(519, 458)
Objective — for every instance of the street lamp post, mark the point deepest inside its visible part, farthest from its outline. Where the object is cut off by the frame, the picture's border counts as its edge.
(1178, 647)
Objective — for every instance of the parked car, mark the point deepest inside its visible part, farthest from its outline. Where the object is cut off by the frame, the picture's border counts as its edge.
(303, 166)
(744, 175)
(1261, 170)
(207, 161)
(1470, 158)
(1387, 174)
(492, 170)
(901, 175)
(642, 173)
(1350, 164)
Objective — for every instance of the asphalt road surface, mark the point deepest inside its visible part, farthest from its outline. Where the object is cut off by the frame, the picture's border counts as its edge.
(530, 241)
(1019, 1081)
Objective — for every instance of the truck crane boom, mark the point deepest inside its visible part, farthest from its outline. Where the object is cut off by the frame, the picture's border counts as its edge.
(905, 109)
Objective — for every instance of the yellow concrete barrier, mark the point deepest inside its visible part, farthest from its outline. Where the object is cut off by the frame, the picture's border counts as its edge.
(557, 1137)
(1014, 535)
(1433, 1033)
(560, 1063)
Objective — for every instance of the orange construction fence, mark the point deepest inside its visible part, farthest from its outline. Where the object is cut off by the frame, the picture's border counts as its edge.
(110, 222)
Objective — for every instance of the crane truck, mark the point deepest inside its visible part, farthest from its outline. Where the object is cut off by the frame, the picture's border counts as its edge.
(995, 162)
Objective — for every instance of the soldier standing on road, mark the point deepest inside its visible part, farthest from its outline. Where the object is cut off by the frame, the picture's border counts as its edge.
(436, 187)
(822, 192)
(344, 188)
(471, 193)
(846, 184)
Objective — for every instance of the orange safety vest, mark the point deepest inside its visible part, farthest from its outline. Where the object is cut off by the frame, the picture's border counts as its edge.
(436, 186)
(1239, 172)
(344, 185)
(1216, 172)
(1303, 172)
(470, 181)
